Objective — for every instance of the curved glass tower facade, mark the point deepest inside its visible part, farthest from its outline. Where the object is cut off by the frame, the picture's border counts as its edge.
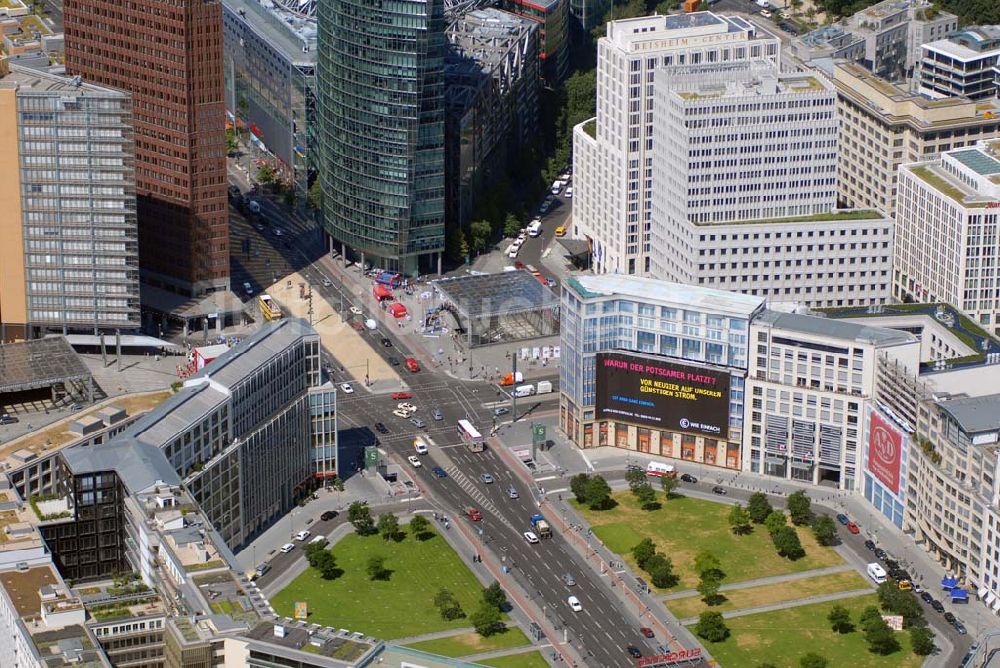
(381, 129)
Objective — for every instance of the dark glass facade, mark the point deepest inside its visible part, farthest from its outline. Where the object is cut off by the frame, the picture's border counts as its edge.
(381, 129)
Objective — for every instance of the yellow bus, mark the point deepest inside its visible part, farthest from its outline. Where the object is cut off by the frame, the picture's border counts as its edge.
(268, 307)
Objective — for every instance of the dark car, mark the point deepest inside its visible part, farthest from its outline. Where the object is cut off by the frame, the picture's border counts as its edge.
(719, 489)
(393, 361)
(634, 467)
(386, 342)
(950, 618)
(881, 554)
(870, 544)
(647, 632)
(959, 627)
(843, 519)
(904, 575)
(687, 477)
(926, 596)
(789, 27)
(328, 515)
(381, 428)
(892, 564)
(634, 651)
(439, 472)
(938, 606)
(7, 419)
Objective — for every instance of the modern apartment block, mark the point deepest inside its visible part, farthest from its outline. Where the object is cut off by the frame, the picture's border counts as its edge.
(809, 384)
(382, 159)
(744, 189)
(587, 14)
(965, 64)
(884, 38)
(946, 247)
(492, 90)
(613, 153)
(883, 126)
(69, 262)
(270, 69)
(552, 16)
(178, 113)
(654, 367)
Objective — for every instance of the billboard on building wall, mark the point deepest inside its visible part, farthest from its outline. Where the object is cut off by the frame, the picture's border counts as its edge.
(885, 451)
(653, 392)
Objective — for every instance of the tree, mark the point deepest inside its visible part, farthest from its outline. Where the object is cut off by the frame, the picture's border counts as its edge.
(486, 620)
(759, 507)
(326, 564)
(661, 571)
(419, 526)
(825, 530)
(578, 485)
(708, 587)
(869, 616)
(902, 603)
(707, 564)
(775, 521)
(376, 568)
(495, 595)
(880, 638)
(359, 516)
(388, 526)
(786, 540)
(315, 196)
(635, 477)
(643, 552)
(813, 660)
(479, 233)
(265, 174)
(646, 496)
(840, 619)
(511, 226)
(739, 520)
(313, 551)
(799, 508)
(922, 639)
(598, 493)
(712, 627)
(449, 606)
(232, 143)
(668, 484)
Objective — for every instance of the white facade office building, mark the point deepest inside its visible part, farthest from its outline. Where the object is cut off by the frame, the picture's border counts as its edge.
(613, 152)
(947, 212)
(745, 189)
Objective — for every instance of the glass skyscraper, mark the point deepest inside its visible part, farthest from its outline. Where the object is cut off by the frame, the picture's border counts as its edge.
(381, 129)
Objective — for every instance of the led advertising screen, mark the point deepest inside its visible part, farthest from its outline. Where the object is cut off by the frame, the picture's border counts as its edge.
(655, 393)
(885, 451)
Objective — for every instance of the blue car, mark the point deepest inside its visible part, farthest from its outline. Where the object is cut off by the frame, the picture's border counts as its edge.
(843, 519)
(439, 472)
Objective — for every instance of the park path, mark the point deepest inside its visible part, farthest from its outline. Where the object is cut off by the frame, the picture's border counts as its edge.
(760, 582)
(822, 598)
(510, 651)
(436, 635)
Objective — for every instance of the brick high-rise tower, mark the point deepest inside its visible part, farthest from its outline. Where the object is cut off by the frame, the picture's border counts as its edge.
(168, 55)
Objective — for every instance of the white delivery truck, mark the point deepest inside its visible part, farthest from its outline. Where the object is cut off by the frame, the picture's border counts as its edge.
(543, 387)
(876, 572)
(535, 228)
(524, 390)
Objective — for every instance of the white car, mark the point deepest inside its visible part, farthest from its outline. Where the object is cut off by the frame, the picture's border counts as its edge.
(414, 461)
(568, 194)
(420, 446)
(287, 547)
(346, 387)
(530, 537)
(401, 413)
(513, 251)
(765, 14)
(522, 236)
(406, 407)
(278, 232)
(574, 604)
(371, 324)
(355, 310)
(302, 535)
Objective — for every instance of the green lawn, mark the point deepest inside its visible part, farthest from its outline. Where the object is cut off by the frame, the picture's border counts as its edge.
(783, 636)
(396, 608)
(525, 660)
(465, 644)
(685, 526)
(752, 597)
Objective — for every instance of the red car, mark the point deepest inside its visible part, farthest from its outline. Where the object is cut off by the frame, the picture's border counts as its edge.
(412, 365)
(648, 632)
(853, 528)
(401, 395)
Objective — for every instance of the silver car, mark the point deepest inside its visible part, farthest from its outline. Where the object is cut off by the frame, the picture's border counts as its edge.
(418, 423)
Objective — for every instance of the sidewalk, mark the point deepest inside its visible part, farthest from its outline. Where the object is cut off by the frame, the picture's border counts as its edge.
(760, 582)
(822, 598)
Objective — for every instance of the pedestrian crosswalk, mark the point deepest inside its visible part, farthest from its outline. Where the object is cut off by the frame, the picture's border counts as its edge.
(477, 495)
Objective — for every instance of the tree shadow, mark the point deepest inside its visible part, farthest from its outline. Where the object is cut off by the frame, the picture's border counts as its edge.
(655, 505)
(717, 599)
(425, 536)
(333, 575)
(607, 504)
(383, 576)
(398, 537)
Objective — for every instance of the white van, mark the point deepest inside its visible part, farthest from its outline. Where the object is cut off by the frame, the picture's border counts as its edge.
(371, 324)
(556, 187)
(535, 229)
(658, 469)
(420, 446)
(876, 572)
(524, 390)
(318, 540)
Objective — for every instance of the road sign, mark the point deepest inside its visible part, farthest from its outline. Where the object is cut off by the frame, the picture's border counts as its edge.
(537, 434)
(371, 457)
